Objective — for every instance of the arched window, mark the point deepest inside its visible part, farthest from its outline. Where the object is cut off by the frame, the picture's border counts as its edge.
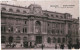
(63, 40)
(11, 10)
(59, 40)
(3, 8)
(18, 39)
(3, 39)
(17, 10)
(24, 38)
(54, 40)
(38, 26)
(49, 40)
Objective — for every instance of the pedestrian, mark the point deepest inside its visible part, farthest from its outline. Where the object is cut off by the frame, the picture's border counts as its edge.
(62, 46)
(69, 46)
(55, 46)
(42, 46)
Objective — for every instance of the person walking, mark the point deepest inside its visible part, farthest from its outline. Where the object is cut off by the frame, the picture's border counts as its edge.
(42, 46)
(62, 46)
(55, 46)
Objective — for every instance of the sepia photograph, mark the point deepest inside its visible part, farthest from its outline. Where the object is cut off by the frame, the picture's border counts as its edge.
(40, 25)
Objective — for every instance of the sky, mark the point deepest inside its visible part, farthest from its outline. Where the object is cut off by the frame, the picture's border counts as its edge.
(61, 6)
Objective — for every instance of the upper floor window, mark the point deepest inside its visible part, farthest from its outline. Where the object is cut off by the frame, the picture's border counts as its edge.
(57, 16)
(3, 8)
(52, 15)
(17, 10)
(24, 11)
(61, 17)
(3, 28)
(25, 22)
(10, 29)
(11, 10)
(24, 30)
(46, 14)
(53, 31)
(38, 26)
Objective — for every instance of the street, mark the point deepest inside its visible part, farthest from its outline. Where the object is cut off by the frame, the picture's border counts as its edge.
(32, 49)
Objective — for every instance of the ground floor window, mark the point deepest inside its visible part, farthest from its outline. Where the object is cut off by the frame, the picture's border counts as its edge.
(49, 40)
(54, 40)
(63, 40)
(38, 39)
(24, 38)
(18, 39)
(59, 40)
(3, 39)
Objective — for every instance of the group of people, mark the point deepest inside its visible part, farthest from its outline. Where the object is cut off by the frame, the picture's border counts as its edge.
(11, 45)
(70, 46)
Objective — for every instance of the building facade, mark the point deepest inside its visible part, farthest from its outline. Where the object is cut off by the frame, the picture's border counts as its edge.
(36, 26)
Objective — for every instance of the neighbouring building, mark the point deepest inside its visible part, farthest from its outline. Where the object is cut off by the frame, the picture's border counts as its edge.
(36, 26)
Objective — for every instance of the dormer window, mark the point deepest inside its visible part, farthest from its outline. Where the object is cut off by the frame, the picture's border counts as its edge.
(17, 10)
(3, 8)
(11, 10)
(24, 11)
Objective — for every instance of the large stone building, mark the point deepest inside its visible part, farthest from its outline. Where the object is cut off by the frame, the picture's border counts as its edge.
(36, 26)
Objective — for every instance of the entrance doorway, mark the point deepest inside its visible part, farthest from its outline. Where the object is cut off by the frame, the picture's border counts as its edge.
(38, 39)
(25, 44)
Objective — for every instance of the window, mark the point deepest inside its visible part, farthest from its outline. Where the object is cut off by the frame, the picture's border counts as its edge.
(54, 40)
(57, 31)
(3, 29)
(48, 24)
(18, 39)
(46, 14)
(57, 16)
(24, 38)
(59, 40)
(53, 31)
(3, 8)
(24, 11)
(11, 10)
(49, 40)
(61, 17)
(63, 40)
(24, 30)
(38, 26)
(3, 39)
(25, 22)
(11, 29)
(52, 15)
(17, 10)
